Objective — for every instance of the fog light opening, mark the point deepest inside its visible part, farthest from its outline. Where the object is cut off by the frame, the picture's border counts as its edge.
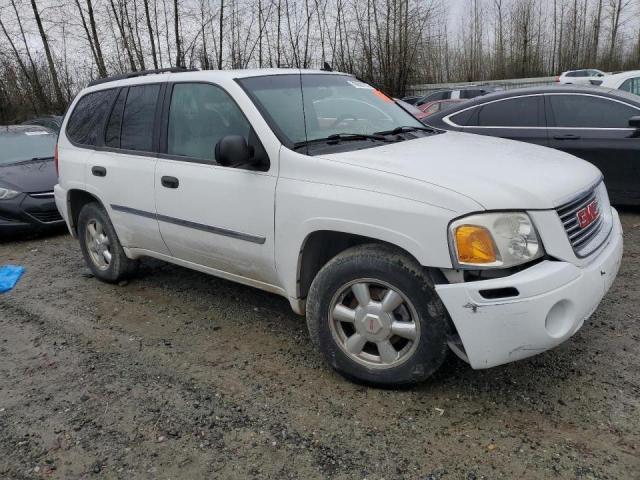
(559, 320)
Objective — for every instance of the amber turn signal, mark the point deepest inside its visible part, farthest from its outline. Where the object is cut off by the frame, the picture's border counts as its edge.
(475, 245)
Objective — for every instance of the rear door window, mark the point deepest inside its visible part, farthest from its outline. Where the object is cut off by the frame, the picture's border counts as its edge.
(139, 117)
(514, 112)
(587, 111)
(85, 126)
(114, 125)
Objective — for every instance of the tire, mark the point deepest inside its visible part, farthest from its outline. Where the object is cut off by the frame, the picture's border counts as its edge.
(378, 267)
(93, 218)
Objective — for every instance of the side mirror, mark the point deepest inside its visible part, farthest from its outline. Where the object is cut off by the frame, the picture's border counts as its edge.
(635, 122)
(233, 151)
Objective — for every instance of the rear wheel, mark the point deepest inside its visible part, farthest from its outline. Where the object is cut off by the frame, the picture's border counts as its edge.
(100, 246)
(375, 316)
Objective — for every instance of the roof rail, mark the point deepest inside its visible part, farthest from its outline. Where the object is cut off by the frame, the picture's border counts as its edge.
(141, 73)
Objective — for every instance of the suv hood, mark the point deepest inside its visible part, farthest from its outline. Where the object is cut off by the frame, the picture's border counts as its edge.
(496, 173)
(33, 176)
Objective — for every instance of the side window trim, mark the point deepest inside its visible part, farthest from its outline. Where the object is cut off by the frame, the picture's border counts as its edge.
(551, 113)
(164, 127)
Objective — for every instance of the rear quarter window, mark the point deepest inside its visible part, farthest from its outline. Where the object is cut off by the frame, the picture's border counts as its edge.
(86, 124)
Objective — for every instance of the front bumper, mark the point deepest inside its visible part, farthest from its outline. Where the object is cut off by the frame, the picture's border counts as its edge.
(27, 213)
(554, 300)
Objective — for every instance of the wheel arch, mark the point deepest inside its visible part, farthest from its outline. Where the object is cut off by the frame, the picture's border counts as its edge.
(76, 199)
(320, 246)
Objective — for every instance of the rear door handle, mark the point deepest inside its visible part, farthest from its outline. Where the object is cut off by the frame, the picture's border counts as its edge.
(170, 182)
(99, 171)
(566, 137)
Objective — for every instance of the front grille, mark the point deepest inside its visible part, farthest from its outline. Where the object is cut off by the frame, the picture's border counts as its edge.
(46, 216)
(585, 240)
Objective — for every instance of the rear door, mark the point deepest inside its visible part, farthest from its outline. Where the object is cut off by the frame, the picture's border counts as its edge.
(122, 170)
(212, 215)
(596, 129)
(518, 118)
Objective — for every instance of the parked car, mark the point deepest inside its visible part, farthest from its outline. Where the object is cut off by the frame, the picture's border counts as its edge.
(397, 240)
(412, 99)
(437, 106)
(626, 81)
(52, 122)
(580, 77)
(464, 93)
(27, 177)
(598, 125)
(412, 109)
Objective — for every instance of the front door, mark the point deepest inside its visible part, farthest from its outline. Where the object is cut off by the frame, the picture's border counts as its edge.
(597, 130)
(212, 215)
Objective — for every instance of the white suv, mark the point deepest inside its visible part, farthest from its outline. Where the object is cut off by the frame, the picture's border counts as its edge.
(398, 241)
(581, 77)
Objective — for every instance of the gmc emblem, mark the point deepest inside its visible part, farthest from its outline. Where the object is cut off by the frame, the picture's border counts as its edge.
(588, 214)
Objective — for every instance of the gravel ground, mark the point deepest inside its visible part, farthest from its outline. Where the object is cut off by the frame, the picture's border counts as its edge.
(180, 375)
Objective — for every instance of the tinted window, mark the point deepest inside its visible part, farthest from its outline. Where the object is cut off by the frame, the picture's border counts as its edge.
(514, 112)
(112, 134)
(138, 118)
(463, 118)
(471, 93)
(199, 116)
(87, 120)
(582, 111)
(631, 85)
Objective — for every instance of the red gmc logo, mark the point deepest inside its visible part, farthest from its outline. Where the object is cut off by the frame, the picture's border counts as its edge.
(588, 214)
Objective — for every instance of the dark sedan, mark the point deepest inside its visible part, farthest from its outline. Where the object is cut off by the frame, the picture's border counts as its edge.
(52, 122)
(27, 177)
(599, 125)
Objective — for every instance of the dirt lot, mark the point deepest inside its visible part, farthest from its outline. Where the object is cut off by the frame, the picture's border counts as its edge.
(180, 375)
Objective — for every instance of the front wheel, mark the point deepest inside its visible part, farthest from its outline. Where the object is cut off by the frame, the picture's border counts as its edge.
(374, 314)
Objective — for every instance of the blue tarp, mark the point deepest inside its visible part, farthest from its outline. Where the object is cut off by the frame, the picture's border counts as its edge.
(9, 276)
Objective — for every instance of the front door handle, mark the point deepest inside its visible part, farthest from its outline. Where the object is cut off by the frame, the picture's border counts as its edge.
(566, 137)
(99, 171)
(170, 182)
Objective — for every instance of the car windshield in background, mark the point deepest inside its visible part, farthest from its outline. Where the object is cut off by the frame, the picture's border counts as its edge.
(20, 145)
(333, 105)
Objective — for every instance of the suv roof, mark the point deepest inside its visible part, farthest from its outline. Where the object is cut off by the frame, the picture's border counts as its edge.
(133, 77)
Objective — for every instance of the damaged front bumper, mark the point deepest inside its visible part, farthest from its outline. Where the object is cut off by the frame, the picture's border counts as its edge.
(553, 300)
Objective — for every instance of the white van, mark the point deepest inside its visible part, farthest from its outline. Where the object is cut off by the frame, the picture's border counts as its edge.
(398, 241)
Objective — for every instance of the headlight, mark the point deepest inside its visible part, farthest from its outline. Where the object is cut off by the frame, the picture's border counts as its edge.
(493, 240)
(7, 194)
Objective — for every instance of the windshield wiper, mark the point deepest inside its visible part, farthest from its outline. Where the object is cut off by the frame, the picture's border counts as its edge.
(406, 129)
(34, 159)
(340, 137)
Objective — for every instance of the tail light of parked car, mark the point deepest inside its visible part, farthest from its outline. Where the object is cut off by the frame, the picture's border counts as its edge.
(557, 80)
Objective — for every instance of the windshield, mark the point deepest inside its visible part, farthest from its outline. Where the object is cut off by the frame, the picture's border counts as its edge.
(333, 104)
(17, 146)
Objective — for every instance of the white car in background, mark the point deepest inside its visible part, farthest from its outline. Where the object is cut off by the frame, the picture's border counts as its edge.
(580, 77)
(627, 81)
